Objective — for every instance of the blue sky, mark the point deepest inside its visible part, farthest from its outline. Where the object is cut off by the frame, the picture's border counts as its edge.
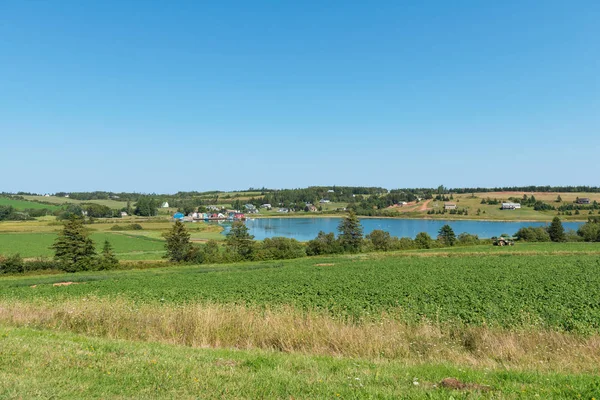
(161, 97)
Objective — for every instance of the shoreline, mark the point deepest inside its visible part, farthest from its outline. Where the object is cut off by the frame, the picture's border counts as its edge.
(412, 218)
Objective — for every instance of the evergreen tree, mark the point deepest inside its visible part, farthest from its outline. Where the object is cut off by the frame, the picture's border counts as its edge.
(240, 241)
(446, 235)
(559, 199)
(556, 230)
(351, 233)
(178, 243)
(107, 257)
(73, 248)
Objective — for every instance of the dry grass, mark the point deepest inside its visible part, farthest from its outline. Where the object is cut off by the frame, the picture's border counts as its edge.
(289, 330)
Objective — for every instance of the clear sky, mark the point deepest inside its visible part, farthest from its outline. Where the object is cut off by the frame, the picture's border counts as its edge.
(156, 96)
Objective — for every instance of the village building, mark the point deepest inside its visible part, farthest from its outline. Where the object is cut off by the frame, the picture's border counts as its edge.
(123, 214)
(267, 206)
(324, 201)
(449, 206)
(511, 206)
(582, 200)
(165, 205)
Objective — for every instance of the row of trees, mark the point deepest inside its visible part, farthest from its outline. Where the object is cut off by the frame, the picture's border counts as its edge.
(555, 232)
(240, 244)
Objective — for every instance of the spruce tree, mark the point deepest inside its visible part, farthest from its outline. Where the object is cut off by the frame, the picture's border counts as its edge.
(446, 235)
(351, 233)
(108, 259)
(556, 231)
(178, 243)
(240, 241)
(73, 248)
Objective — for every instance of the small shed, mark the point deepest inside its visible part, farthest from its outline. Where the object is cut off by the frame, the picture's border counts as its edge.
(449, 206)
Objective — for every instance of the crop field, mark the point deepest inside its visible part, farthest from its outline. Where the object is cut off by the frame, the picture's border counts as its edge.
(558, 292)
(23, 204)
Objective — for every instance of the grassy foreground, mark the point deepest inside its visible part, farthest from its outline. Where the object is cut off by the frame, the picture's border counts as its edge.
(43, 364)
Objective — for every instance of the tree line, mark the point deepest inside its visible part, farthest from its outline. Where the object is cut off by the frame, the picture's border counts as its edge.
(75, 251)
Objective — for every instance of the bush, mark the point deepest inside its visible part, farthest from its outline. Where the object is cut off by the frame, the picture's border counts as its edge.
(381, 240)
(279, 248)
(11, 265)
(128, 227)
(590, 231)
(466, 239)
(41, 264)
(324, 243)
(404, 243)
(423, 241)
(533, 234)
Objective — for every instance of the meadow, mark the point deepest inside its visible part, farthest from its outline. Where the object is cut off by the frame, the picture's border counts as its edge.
(114, 204)
(24, 204)
(32, 239)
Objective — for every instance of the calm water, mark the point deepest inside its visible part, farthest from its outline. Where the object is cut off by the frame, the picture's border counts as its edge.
(307, 228)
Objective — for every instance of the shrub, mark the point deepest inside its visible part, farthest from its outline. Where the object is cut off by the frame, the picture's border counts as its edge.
(11, 265)
(128, 227)
(533, 234)
(423, 241)
(324, 243)
(381, 240)
(404, 243)
(590, 231)
(280, 248)
(466, 239)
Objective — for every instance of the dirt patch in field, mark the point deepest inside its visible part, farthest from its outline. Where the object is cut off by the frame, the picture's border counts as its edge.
(325, 265)
(455, 384)
(65, 283)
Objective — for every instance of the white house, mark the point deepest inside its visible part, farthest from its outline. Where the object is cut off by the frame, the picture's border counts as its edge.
(165, 205)
(266, 205)
(324, 201)
(123, 214)
(449, 206)
(511, 206)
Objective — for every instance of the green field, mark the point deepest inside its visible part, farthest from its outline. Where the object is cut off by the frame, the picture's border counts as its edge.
(63, 365)
(378, 325)
(506, 324)
(114, 204)
(553, 291)
(24, 204)
(126, 245)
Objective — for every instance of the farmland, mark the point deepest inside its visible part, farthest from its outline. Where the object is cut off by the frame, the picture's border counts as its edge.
(114, 204)
(24, 204)
(551, 291)
(486, 317)
(32, 239)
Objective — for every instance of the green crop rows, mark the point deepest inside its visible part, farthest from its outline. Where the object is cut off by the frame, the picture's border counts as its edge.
(561, 292)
